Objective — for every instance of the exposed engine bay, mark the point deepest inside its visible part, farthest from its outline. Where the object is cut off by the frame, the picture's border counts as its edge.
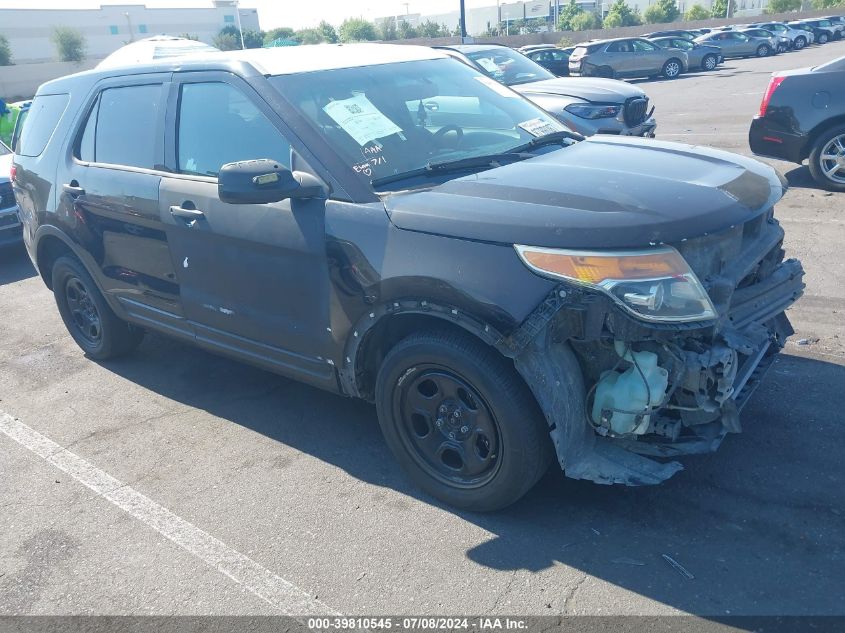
(659, 390)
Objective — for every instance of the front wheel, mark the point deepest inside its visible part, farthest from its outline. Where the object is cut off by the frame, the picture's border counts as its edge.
(460, 420)
(764, 50)
(671, 69)
(709, 62)
(827, 159)
(87, 316)
(823, 38)
(799, 43)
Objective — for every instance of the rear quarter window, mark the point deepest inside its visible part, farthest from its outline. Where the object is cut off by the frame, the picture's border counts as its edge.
(41, 120)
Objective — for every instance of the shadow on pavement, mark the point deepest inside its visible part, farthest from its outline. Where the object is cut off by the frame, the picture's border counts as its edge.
(759, 524)
(14, 264)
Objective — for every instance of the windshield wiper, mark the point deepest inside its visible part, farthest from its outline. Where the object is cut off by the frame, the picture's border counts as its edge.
(449, 166)
(552, 138)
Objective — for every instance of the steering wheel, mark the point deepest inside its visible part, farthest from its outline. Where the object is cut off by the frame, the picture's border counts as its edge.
(442, 132)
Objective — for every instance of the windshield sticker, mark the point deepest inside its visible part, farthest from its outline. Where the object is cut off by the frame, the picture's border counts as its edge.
(488, 64)
(496, 86)
(539, 127)
(366, 167)
(359, 118)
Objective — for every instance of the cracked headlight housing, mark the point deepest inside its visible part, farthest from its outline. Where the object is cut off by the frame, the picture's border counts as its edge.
(655, 284)
(590, 111)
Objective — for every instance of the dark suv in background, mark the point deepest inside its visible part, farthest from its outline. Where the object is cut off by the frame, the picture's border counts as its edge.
(507, 294)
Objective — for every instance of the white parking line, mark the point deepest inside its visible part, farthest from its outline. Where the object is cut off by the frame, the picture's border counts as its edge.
(276, 591)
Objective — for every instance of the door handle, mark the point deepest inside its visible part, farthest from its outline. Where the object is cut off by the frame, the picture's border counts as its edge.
(186, 214)
(73, 189)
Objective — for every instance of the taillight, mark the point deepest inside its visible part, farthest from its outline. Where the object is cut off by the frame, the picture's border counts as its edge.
(13, 172)
(773, 85)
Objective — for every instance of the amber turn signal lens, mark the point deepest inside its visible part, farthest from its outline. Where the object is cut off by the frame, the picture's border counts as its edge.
(595, 268)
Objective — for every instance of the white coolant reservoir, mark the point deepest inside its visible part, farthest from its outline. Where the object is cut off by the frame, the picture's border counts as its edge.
(628, 391)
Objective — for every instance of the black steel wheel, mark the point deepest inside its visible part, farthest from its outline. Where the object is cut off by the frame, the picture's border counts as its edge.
(461, 421)
(87, 316)
(447, 427)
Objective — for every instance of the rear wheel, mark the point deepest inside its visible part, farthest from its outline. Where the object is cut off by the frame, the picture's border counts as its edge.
(827, 159)
(605, 72)
(461, 421)
(823, 38)
(800, 42)
(709, 62)
(764, 50)
(671, 69)
(87, 316)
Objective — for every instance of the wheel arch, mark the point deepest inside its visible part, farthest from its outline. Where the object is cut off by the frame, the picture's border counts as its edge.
(383, 326)
(50, 244)
(817, 131)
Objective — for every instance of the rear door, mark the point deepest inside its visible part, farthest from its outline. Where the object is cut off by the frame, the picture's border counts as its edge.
(107, 194)
(649, 57)
(253, 278)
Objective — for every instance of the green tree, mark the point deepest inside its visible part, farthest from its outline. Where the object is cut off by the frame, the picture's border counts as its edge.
(70, 44)
(784, 6)
(5, 52)
(282, 32)
(227, 41)
(567, 14)
(387, 30)
(406, 31)
(429, 29)
(586, 21)
(357, 30)
(720, 8)
(327, 32)
(253, 39)
(654, 14)
(308, 36)
(697, 12)
(620, 14)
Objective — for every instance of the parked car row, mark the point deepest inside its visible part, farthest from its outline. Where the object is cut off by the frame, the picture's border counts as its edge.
(672, 52)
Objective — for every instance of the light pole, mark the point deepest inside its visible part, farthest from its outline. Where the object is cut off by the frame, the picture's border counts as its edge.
(240, 28)
(463, 22)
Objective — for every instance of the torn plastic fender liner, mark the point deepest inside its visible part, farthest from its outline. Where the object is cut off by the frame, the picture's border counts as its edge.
(554, 376)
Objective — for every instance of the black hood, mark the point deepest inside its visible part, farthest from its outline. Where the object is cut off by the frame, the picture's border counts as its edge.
(605, 192)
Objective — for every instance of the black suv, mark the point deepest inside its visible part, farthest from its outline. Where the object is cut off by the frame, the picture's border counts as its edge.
(507, 294)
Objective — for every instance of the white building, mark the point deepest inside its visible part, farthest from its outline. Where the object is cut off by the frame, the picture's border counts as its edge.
(111, 26)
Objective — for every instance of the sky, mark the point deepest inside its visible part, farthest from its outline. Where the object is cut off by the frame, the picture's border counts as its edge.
(274, 13)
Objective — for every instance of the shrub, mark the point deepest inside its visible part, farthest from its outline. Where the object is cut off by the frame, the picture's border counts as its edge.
(70, 44)
(5, 52)
(586, 21)
(697, 12)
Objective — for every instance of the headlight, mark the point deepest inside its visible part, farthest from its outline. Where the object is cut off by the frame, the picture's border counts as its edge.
(587, 111)
(655, 284)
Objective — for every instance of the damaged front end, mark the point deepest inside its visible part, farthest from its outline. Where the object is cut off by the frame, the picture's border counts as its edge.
(624, 382)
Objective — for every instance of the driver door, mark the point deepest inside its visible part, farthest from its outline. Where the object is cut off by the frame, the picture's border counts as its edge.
(253, 278)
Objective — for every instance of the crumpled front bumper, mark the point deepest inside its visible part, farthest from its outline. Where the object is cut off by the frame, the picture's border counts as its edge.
(714, 367)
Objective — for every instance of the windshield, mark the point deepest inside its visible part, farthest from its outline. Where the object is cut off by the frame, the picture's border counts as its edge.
(395, 118)
(508, 66)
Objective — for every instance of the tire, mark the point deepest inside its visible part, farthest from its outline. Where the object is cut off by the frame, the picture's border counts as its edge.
(605, 72)
(672, 69)
(764, 50)
(87, 316)
(823, 38)
(829, 143)
(460, 421)
(709, 62)
(800, 42)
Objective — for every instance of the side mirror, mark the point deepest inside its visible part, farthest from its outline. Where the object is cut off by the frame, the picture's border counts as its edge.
(262, 181)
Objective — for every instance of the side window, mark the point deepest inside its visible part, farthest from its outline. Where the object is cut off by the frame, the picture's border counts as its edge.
(85, 149)
(218, 124)
(126, 126)
(643, 47)
(41, 121)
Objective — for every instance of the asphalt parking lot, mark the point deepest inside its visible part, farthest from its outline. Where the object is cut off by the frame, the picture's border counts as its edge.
(234, 491)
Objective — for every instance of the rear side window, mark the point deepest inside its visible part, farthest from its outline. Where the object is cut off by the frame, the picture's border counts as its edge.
(41, 121)
(123, 127)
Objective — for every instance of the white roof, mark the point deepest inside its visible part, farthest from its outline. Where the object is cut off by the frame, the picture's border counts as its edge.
(153, 48)
(287, 60)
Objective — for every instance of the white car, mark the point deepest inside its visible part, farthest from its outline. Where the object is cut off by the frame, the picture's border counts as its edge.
(10, 223)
